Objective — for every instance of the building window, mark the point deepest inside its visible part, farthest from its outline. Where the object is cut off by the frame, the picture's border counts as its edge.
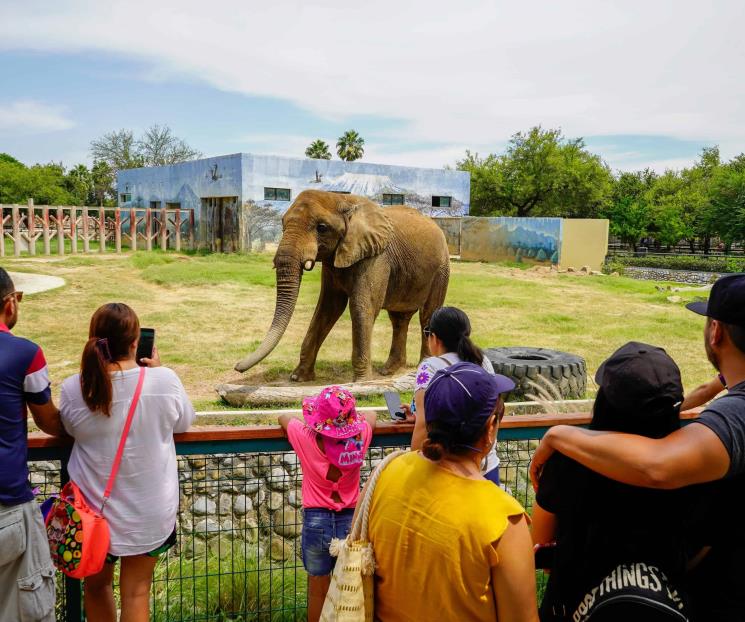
(441, 201)
(393, 199)
(173, 205)
(276, 194)
(154, 204)
(125, 198)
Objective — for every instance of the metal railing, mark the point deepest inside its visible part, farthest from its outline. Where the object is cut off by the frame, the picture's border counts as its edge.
(237, 556)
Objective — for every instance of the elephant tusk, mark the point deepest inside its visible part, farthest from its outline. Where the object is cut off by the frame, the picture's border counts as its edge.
(308, 265)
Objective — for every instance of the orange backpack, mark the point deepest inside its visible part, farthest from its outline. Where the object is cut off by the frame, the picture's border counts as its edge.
(78, 534)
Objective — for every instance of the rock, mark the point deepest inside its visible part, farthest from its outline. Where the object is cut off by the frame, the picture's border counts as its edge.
(585, 269)
(251, 487)
(206, 528)
(615, 274)
(279, 479)
(295, 498)
(289, 459)
(203, 506)
(194, 548)
(570, 269)
(198, 476)
(674, 299)
(222, 547)
(596, 273)
(280, 550)
(276, 501)
(197, 463)
(44, 466)
(229, 487)
(287, 522)
(225, 504)
(242, 505)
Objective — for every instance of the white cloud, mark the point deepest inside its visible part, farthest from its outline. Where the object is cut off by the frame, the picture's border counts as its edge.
(29, 116)
(455, 73)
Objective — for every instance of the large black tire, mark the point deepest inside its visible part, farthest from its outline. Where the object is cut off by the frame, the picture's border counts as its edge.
(567, 372)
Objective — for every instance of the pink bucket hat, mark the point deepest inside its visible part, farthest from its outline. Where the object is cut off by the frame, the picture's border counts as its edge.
(332, 413)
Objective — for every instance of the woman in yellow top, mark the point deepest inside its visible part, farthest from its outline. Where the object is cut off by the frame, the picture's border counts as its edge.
(449, 544)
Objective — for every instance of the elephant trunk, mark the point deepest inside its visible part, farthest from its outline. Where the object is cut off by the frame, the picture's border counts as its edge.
(289, 275)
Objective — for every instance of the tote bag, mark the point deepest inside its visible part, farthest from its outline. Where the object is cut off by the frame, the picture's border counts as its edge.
(351, 593)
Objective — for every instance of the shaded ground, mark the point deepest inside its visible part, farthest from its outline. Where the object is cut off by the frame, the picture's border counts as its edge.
(209, 311)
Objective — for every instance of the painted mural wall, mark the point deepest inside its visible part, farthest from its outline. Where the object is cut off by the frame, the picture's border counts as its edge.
(524, 240)
(418, 185)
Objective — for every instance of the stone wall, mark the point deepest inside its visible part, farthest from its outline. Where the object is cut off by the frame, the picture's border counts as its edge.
(676, 276)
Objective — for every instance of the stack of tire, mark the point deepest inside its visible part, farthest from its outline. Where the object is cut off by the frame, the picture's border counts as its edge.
(535, 366)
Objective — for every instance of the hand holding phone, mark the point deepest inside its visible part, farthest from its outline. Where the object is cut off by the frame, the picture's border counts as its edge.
(146, 347)
(393, 402)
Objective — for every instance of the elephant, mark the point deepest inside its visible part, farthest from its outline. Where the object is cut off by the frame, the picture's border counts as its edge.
(373, 258)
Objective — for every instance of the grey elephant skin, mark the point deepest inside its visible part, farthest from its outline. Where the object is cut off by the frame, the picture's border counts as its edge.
(372, 258)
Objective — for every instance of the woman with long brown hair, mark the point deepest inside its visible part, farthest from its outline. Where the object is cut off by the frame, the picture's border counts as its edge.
(141, 512)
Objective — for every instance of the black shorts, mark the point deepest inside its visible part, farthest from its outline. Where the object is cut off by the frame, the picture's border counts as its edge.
(156, 552)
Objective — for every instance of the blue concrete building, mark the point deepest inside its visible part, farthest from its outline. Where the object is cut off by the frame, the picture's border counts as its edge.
(222, 190)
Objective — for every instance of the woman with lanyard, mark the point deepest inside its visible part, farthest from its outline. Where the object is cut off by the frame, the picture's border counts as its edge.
(449, 339)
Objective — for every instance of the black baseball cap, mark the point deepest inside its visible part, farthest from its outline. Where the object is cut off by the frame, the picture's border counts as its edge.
(726, 301)
(640, 378)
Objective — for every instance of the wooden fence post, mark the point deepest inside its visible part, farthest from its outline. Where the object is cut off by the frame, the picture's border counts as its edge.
(74, 230)
(132, 229)
(60, 231)
(45, 230)
(86, 232)
(118, 230)
(31, 228)
(192, 241)
(163, 229)
(177, 229)
(148, 229)
(101, 230)
(16, 231)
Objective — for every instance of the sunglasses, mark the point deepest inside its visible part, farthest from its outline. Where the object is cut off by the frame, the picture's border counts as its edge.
(18, 296)
(427, 331)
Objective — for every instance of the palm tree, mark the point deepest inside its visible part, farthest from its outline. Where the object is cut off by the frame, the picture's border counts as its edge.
(318, 150)
(350, 146)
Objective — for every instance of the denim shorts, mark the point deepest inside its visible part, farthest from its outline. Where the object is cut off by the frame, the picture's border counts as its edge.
(320, 526)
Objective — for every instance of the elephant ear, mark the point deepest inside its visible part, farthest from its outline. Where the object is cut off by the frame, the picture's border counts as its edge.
(369, 231)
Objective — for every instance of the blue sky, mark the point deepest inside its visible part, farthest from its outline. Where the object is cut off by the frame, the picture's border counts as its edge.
(644, 84)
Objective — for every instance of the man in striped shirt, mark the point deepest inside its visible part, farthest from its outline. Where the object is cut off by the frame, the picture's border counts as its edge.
(26, 571)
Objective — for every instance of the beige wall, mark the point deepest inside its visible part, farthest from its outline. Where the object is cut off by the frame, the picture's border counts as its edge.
(584, 242)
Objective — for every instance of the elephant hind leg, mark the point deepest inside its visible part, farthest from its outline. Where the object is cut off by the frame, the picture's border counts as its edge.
(434, 301)
(397, 357)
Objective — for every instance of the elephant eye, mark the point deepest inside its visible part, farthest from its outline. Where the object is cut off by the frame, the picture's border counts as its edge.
(322, 227)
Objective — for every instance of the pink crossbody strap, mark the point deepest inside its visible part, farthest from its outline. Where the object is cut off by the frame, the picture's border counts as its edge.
(123, 439)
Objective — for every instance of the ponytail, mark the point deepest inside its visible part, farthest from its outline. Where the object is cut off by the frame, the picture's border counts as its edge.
(114, 328)
(95, 381)
(453, 328)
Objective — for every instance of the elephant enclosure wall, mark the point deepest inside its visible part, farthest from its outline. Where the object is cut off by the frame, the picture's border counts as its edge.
(561, 241)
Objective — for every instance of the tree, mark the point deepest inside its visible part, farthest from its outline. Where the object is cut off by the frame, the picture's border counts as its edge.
(118, 149)
(102, 182)
(628, 211)
(258, 220)
(350, 146)
(318, 150)
(158, 147)
(728, 205)
(44, 183)
(541, 173)
(80, 185)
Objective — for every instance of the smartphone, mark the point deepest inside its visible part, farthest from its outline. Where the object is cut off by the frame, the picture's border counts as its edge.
(145, 346)
(393, 401)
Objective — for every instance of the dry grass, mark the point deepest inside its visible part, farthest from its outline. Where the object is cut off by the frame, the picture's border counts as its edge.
(210, 311)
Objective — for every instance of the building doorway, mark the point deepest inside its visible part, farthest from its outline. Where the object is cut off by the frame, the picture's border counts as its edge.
(219, 224)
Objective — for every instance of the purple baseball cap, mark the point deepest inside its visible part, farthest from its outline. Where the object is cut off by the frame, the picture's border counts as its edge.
(462, 394)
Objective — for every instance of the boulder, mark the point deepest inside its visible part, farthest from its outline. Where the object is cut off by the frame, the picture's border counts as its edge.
(203, 506)
(242, 505)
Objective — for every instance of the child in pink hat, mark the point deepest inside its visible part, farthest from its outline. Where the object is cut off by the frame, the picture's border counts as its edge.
(331, 442)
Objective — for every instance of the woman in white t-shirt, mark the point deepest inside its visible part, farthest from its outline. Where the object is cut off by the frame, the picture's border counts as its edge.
(449, 340)
(142, 509)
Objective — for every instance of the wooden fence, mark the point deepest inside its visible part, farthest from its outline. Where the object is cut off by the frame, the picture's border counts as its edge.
(108, 227)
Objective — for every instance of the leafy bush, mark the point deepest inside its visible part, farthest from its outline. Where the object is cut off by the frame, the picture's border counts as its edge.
(682, 262)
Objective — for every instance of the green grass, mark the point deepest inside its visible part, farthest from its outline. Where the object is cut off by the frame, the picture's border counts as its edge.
(211, 310)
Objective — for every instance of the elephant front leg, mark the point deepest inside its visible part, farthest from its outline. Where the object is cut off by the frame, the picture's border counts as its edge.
(331, 305)
(397, 356)
(363, 320)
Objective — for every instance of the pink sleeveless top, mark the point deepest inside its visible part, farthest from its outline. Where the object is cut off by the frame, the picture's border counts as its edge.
(317, 490)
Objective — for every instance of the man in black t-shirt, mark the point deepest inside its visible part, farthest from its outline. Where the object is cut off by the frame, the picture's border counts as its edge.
(709, 451)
